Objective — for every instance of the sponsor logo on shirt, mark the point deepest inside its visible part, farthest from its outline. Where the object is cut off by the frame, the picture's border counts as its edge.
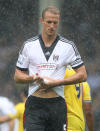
(46, 66)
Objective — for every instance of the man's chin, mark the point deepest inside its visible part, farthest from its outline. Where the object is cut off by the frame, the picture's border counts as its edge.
(50, 34)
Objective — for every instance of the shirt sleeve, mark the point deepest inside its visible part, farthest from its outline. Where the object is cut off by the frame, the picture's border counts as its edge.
(23, 59)
(74, 58)
(86, 92)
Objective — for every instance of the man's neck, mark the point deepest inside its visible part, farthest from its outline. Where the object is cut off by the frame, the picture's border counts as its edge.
(48, 40)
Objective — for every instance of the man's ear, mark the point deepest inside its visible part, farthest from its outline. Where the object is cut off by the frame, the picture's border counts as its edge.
(41, 20)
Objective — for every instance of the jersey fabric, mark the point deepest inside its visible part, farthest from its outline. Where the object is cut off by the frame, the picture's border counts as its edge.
(48, 61)
(6, 106)
(20, 108)
(86, 92)
(75, 95)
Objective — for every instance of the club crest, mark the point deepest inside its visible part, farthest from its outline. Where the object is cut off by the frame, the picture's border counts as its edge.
(56, 58)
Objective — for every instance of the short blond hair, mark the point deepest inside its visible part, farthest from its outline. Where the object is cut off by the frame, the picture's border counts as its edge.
(50, 9)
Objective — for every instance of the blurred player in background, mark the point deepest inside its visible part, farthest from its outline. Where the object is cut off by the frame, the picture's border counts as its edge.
(19, 111)
(78, 98)
(6, 106)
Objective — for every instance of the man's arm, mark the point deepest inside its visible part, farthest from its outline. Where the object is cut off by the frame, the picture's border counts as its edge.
(23, 77)
(78, 77)
(11, 125)
(88, 115)
(4, 118)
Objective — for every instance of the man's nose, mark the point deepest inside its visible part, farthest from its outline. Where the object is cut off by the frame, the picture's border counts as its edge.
(52, 25)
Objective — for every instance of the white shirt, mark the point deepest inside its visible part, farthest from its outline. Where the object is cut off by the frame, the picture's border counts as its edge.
(6, 107)
(48, 61)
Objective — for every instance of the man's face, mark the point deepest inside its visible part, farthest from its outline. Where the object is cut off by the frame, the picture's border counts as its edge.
(50, 23)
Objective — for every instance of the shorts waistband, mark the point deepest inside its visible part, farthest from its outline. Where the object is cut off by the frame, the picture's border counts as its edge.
(45, 99)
